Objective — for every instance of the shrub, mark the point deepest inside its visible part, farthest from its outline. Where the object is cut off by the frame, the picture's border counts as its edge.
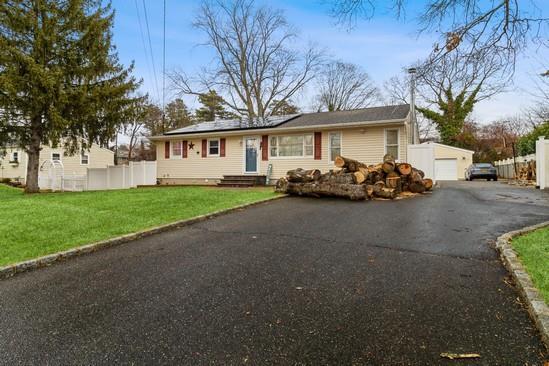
(527, 144)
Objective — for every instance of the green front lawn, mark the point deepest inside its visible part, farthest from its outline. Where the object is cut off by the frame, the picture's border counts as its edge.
(533, 251)
(40, 224)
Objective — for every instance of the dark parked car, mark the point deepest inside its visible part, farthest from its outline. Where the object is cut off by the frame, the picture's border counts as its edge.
(481, 171)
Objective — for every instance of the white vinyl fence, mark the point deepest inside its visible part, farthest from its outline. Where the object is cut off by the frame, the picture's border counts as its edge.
(542, 163)
(506, 168)
(423, 157)
(112, 177)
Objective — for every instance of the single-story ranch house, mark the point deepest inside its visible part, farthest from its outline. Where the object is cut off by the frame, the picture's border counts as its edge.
(13, 163)
(206, 152)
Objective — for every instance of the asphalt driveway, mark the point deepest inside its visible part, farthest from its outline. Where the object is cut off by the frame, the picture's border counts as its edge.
(292, 282)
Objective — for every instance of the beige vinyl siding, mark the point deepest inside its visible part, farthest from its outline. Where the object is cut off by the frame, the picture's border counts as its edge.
(464, 158)
(366, 144)
(195, 167)
(13, 172)
(97, 158)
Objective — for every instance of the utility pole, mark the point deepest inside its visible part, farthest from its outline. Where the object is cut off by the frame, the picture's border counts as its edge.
(412, 72)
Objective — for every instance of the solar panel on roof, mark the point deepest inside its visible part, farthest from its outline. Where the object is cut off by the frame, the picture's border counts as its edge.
(232, 124)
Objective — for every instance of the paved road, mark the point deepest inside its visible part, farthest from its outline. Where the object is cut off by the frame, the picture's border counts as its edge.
(291, 282)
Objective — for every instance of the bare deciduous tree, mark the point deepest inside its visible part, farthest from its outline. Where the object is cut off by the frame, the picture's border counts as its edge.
(344, 86)
(397, 91)
(502, 27)
(254, 62)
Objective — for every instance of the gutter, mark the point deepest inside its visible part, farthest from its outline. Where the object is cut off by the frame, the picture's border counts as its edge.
(279, 129)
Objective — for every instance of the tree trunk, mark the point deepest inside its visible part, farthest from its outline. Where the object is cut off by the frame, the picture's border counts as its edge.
(428, 183)
(33, 156)
(302, 175)
(349, 164)
(317, 189)
(338, 178)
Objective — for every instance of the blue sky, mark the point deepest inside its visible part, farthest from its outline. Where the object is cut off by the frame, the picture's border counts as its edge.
(382, 46)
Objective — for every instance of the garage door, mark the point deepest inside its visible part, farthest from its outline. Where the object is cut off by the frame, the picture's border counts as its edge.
(446, 169)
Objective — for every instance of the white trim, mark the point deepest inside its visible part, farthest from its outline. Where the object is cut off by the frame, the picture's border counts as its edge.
(448, 146)
(281, 130)
(172, 155)
(88, 155)
(330, 144)
(277, 157)
(218, 148)
(385, 141)
(258, 139)
(56, 152)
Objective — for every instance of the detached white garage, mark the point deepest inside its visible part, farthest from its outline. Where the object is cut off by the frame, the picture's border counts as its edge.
(446, 169)
(440, 162)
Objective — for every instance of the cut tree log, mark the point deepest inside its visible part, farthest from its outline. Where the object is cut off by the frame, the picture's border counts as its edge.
(382, 192)
(404, 168)
(360, 177)
(420, 172)
(370, 191)
(415, 182)
(338, 178)
(388, 165)
(302, 175)
(428, 183)
(317, 189)
(394, 183)
(350, 164)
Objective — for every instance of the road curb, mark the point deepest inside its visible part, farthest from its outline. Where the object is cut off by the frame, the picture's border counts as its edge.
(537, 308)
(32, 264)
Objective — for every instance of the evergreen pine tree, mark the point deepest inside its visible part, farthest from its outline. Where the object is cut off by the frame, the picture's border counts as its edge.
(61, 81)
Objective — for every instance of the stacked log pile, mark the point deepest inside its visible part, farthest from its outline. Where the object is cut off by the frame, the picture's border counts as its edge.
(357, 181)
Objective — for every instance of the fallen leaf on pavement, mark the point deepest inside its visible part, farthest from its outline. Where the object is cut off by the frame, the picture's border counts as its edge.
(455, 356)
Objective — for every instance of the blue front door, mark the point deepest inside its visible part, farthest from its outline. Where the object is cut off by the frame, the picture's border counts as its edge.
(252, 147)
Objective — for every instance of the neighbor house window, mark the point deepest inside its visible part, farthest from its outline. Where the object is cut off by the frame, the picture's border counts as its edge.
(15, 157)
(391, 143)
(55, 156)
(213, 147)
(177, 149)
(84, 158)
(292, 146)
(335, 145)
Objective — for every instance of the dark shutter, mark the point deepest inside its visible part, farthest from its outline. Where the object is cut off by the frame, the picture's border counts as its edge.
(264, 147)
(221, 147)
(318, 145)
(167, 150)
(204, 148)
(184, 148)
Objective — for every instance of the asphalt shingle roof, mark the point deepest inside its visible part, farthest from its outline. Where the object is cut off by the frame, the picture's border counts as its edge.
(366, 115)
(375, 114)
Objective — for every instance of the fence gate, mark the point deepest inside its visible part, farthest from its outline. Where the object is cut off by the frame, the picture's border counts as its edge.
(51, 174)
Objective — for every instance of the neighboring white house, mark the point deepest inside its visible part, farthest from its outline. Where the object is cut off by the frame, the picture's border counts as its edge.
(13, 164)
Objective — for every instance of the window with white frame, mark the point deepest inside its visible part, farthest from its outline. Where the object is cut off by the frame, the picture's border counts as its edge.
(177, 149)
(335, 145)
(55, 156)
(292, 146)
(213, 147)
(15, 157)
(84, 158)
(391, 143)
